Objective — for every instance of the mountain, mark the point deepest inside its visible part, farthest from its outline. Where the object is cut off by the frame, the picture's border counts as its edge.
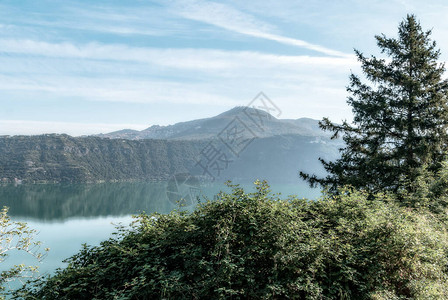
(258, 122)
(242, 144)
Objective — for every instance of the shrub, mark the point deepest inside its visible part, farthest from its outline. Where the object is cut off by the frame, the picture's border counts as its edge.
(256, 246)
(16, 236)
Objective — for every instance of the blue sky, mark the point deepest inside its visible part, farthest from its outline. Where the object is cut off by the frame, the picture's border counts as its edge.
(85, 67)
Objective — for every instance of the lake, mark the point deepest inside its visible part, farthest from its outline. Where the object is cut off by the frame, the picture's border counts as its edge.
(68, 215)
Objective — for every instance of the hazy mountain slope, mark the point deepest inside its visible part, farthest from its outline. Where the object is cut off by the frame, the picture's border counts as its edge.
(257, 121)
(280, 158)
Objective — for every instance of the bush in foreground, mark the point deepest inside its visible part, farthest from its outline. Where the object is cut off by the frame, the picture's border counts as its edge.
(16, 237)
(255, 246)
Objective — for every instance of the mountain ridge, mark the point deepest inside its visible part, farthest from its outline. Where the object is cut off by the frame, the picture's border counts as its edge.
(56, 158)
(239, 144)
(258, 122)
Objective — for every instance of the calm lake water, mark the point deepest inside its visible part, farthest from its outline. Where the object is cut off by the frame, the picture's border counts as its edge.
(68, 215)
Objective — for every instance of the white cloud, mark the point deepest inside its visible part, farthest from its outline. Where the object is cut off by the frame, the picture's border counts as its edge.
(206, 59)
(226, 17)
(101, 72)
(184, 58)
(120, 30)
(114, 90)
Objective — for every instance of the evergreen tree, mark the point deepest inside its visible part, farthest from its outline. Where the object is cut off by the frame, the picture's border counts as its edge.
(400, 120)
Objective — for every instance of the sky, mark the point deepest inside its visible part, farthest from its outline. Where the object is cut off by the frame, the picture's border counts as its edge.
(88, 67)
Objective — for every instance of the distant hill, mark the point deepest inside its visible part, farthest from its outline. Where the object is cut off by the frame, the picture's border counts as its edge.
(258, 121)
(62, 158)
(265, 148)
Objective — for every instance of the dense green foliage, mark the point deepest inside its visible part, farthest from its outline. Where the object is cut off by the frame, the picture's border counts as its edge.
(400, 125)
(255, 246)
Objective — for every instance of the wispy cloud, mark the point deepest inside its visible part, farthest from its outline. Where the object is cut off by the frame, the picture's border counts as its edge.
(124, 74)
(158, 62)
(115, 90)
(226, 17)
(120, 20)
(207, 59)
(113, 29)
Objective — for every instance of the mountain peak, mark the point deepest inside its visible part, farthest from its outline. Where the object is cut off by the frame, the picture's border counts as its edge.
(246, 110)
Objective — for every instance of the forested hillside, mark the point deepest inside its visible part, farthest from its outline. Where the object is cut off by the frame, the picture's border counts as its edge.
(62, 158)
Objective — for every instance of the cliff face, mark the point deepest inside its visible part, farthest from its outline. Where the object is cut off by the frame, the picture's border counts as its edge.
(61, 158)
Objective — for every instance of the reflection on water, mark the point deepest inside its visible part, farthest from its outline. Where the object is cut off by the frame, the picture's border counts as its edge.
(63, 201)
(59, 202)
